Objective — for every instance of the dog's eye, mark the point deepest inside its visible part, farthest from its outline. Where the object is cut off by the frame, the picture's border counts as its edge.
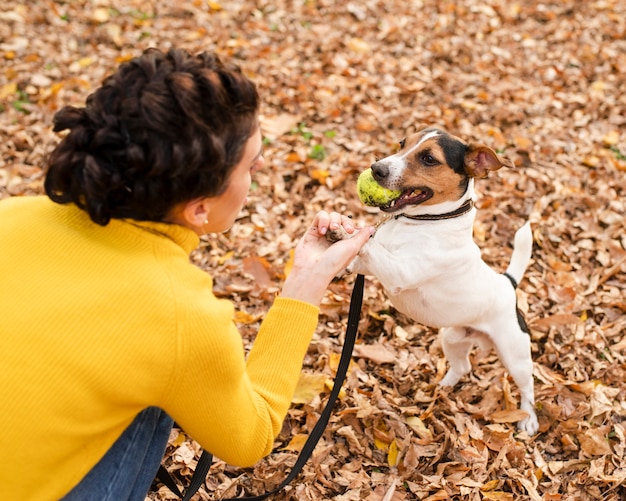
(429, 160)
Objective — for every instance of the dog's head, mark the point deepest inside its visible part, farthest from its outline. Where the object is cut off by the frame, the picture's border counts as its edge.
(433, 167)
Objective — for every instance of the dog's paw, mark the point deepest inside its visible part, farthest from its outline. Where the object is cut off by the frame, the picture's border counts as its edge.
(455, 370)
(450, 379)
(529, 424)
(336, 235)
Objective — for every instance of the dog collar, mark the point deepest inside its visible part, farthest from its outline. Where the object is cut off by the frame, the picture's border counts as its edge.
(464, 209)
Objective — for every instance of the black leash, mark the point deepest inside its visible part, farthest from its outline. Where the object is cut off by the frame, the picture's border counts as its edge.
(197, 479)
(206, 458)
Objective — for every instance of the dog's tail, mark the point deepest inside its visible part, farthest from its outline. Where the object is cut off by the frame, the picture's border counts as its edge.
(522, 250)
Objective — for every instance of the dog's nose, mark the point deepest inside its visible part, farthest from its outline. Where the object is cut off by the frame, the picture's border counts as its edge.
(380, 171)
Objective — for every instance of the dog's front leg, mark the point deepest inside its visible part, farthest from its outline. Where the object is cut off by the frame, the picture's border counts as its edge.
(391, 271)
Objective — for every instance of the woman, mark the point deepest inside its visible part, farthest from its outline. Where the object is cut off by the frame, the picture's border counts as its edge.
(108, 333)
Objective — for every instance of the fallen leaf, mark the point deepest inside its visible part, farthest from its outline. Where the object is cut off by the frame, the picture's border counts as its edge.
(309, 386)
(594, 442)
(378, 353)
(296, 443)
(508, 416)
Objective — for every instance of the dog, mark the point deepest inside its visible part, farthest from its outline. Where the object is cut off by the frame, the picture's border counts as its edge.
(425, 257)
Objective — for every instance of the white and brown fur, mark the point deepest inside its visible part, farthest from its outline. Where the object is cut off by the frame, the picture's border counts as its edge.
(432, 270)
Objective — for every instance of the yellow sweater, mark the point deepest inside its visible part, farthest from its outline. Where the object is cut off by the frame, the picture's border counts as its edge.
(97, 323)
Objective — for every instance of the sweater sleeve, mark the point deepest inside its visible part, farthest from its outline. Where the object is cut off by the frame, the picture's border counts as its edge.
(234, 408)
(275, 361)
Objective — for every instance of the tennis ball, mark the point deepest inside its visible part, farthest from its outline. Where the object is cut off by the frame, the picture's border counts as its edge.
(373, 194)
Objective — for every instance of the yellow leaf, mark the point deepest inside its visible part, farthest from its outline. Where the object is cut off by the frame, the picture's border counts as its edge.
(320, 175)
(420, 429)
(611, 138)
(380, 445)
(393, 456)
(123, 58)
(242, 317)
(375, 315)
(8, 90)
(296, 443)
(591, 161)
(56, 87)
(180, 438)
(333, 360)
(498, 496)
(329, 386)
(309, 386)
(85, 61)
(489, 486)
(214, 5)
(289, 264)
(225, 257)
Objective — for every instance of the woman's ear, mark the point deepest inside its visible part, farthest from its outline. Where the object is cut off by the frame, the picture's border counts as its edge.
(196, 212)
(193, 214)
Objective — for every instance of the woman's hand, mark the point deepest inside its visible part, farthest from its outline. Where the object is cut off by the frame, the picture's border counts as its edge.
(317, 261)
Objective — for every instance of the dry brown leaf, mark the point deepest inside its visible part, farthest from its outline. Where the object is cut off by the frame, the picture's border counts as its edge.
(275, 126)
(594, 442)
(508, 416)
(379, 354)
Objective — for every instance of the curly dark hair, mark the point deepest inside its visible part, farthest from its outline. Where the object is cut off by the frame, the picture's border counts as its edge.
(165, 128)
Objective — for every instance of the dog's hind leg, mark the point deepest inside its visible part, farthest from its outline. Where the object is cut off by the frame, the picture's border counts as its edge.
(456, 345)
(515, 355)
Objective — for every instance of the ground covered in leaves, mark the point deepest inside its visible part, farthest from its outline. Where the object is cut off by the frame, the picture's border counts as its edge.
(544, 83)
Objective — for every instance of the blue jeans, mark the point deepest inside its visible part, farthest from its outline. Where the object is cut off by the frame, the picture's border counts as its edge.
(127, 470)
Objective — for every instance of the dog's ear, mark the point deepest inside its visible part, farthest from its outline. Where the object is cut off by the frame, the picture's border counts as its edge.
(480, 160)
